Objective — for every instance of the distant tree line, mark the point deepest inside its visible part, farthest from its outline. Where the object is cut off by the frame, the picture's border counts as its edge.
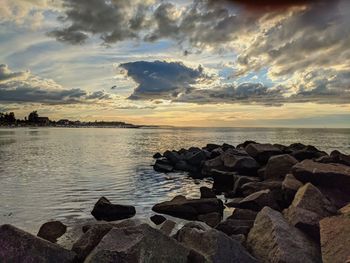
(9, 118)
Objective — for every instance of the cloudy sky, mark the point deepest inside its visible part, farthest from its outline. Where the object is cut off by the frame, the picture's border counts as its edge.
(178, 62)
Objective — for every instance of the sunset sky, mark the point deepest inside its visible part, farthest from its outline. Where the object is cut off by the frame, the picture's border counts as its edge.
(182, 63)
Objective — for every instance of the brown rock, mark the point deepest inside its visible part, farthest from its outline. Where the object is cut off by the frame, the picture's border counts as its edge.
(211, 219)
(262, 152)
(243, 214)
(258, 200)
(167, 227)
(51, 231)
(335, 239)
(105, 210)
(235, 226)
(272, 239)
(328, 175)
(290, 186)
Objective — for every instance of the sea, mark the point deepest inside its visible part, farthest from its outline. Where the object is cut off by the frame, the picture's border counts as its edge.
(59, 173)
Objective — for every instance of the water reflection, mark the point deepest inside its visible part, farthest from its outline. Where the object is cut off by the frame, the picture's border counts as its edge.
(52, 173)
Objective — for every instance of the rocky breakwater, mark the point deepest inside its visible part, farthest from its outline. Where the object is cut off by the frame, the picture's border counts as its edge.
(291, 204)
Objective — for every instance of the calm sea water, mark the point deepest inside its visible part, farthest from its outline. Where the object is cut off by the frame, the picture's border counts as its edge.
(59, 173)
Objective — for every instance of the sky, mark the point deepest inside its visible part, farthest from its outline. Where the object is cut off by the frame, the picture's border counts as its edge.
(183, 63)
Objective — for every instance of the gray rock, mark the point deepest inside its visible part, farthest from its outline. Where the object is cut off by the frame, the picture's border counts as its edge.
(212, 164)
(196, 158)
(239, 237)
(211, 147)
(51, 231)
(167, 227)
(328, 175)
(308, 152)
(262, 152)
(184, 166)
(279, 166)
(157, 156)
(19, 246)
(258, 200)
(211, 219)
(105, 210)
(272, 239)
(235, 226)
(181, 207)
(240, 181)
(213, 244)
(138, 244)
(243, 214)
(341, 158)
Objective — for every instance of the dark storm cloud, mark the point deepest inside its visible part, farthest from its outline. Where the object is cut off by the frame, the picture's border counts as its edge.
(16, 87)
(162, 79)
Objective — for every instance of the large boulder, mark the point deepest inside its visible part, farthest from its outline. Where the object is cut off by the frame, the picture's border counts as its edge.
(51, 231)
(211, 219)
(207, 192)
(211, 147)
(243, 214)
(239, 182)
(308, 152)
(89, 240)
(307, 209)
(138, 244)
(223, 181)
(19, 246)
(252, 187)
(163, 166)
(181, 207)
(335, 238)
(157, 219)
(213, 244)
(235, 226)
(272, 239)
(341, 158)
(290, 186)
(258, 200)
(196, 158)
(328, 175)
(279, 166)
(105, 210)
(212, 164)
(239, 161)
(167, 227)
(262, 152)
(172, 156)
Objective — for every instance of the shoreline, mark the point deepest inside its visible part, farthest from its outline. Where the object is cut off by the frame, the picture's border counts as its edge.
(294, 197)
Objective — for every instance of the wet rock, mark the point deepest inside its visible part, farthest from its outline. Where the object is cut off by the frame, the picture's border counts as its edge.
(184, 166)
(157, 156)
(105, 210)
(258, 200)
(290, 186)
(272, 239)
(234, 202)
(327, 175)
(213, 244)
(181, 207)
(243, 214)
(206, 192)
(157, 219)
(262, 152)
(235, 226)
(335, 239)
(172, 156)
(341, 158)
(211, 219)
(279, 166)
(163, 166)
(223, 181)
(239, 161)
(89, 240)
(167, 227)
(138, 244)
(51, 231)
(19, 246)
